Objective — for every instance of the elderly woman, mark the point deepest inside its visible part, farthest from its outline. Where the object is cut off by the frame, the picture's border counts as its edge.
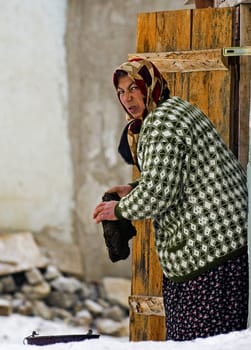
(194, 190)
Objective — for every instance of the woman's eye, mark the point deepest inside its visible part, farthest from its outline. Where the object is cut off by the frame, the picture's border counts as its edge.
(134, 87)
(130, 89)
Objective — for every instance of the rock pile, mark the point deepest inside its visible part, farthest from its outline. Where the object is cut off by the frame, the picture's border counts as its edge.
(52, 295)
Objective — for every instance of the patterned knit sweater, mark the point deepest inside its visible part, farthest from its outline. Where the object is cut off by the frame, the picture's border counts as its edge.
(192, 187)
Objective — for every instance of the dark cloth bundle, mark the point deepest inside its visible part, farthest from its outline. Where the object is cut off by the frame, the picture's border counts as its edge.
(117, 233)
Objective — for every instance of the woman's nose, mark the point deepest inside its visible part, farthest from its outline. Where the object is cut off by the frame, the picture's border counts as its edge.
(128, 95)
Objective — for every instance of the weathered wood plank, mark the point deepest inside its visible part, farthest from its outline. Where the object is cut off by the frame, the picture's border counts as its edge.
(215, 32)
(146, 280)
(147, 305)
(219, 103)
(244, 90)
(186, 61)
(173, 30)
(141, 243)
(198, 90)
(155, 274)
(141, 267)
(178, 84)
(147, 328)
(146, 32)
(212, 28)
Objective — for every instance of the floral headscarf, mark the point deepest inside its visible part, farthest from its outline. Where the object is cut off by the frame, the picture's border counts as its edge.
(154, 87)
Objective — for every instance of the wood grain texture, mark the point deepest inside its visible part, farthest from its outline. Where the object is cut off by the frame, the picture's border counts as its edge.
(166, 37)
(147, 305)
(212, 28)
(244, 85)
(173, 30)
(146, 32)
(186, 61)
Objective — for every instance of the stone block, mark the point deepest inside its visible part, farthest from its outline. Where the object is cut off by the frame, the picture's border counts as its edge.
(19, 252)
(117, 290)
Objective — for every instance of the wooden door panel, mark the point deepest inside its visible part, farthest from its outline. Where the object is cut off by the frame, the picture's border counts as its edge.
(181, 85)
(212, 28)
(219, 98)
(146, 32)
(173, 31)
(186, 46)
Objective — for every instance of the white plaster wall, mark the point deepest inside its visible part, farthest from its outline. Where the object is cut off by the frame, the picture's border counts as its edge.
(35, 166)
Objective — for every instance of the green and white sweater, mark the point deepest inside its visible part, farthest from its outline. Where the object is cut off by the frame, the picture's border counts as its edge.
(192, 187)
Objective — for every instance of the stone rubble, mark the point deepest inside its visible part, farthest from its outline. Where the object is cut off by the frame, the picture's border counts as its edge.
(52, 295)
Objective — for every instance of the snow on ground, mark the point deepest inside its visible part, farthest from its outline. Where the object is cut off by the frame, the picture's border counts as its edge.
(15, 328)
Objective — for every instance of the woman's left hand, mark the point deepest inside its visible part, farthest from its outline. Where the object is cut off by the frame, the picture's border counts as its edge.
(105, 211)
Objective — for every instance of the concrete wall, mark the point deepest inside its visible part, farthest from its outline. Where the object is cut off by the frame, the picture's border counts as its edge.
(60, 121)
(100, 34)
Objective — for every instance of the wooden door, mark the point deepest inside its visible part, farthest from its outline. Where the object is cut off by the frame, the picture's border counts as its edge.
(186, 46)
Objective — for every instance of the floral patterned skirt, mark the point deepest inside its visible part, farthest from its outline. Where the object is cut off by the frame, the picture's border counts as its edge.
(213, 303)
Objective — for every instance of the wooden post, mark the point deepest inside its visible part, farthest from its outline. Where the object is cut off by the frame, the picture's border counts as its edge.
(244, 84)
(245, 116)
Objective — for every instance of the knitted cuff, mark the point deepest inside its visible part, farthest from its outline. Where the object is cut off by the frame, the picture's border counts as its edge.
(117, 212)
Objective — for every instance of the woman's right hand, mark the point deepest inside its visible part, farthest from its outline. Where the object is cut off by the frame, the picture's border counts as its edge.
(121, 190)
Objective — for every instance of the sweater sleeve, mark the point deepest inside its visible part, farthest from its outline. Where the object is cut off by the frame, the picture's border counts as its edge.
(161, 155)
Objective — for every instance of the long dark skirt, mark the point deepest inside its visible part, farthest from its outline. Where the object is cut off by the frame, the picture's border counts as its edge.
(213, 303)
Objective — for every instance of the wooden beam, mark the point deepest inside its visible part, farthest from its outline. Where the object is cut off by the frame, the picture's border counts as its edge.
(147, 305)
(186, 61)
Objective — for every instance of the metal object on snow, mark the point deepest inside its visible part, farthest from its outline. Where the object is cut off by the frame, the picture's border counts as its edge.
(36, 339)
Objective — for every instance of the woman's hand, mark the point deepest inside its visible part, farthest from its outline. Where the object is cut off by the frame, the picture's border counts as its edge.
(105, 211)
(121, 190)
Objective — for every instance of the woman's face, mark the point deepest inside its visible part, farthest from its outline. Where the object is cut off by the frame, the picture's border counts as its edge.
(131, 97)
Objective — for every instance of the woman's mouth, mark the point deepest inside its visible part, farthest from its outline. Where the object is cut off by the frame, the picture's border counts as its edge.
(132, 109)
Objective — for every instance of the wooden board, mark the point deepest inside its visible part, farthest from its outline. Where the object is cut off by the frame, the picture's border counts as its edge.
(173, 30)
(186, 61)
(189, 32)
(244, 87)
